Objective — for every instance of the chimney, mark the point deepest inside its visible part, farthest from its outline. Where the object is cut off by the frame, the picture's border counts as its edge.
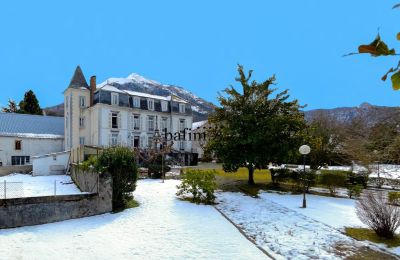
(92, 88)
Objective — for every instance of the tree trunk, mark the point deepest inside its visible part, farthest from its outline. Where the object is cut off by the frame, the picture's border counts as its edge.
(251, 175)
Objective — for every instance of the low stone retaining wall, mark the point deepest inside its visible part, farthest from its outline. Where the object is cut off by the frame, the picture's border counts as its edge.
(40, 210)
(7, 169)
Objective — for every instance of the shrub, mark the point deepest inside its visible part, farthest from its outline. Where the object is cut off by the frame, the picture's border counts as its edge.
(358, 178)
(374, 211)
(333, 179)
(155, 168)
(121, 164)
(90, 163)
(394, 197)
(200, 184)
(354, 190)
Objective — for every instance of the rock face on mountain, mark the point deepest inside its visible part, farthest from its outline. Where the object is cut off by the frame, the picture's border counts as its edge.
(366, 112)
(135, 82)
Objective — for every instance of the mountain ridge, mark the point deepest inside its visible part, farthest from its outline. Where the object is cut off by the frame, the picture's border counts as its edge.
(371, 114)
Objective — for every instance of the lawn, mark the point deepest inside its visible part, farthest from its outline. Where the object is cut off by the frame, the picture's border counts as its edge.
(368, 234)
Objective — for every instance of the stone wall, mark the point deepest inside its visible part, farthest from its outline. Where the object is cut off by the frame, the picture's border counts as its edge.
(7, 169)
(39, 210)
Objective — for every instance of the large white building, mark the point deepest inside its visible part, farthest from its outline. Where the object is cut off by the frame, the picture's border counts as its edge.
(105, 115)
(23, 136)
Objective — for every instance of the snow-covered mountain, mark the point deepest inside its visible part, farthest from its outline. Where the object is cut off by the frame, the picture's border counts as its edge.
(135, 82)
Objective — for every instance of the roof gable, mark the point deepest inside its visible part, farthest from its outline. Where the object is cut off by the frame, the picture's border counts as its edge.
(78, 79)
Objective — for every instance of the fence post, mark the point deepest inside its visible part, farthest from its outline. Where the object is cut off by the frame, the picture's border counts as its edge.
(5, 189)
(97, 183)
(55, 187)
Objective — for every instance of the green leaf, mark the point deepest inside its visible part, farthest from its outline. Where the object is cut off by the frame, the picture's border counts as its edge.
(396, 80)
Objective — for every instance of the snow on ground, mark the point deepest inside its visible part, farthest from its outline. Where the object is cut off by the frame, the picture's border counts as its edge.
(25, 185)
(162, 227)
(282, 228)
(335, 212)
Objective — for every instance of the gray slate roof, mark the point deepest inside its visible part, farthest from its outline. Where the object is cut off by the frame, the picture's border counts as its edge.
(33, 126)
(78, 79)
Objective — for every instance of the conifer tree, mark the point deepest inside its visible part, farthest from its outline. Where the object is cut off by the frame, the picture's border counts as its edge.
(254, 128)
(30, 104)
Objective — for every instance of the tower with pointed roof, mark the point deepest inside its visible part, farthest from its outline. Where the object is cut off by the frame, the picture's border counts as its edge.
(76, 99)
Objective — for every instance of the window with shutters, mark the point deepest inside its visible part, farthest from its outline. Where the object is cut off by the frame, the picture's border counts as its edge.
(182, 108)
(182, 125)
(181, 145)
(82, 101)
(150, 141)
(81, 122)
(164, 106)
(114, 99)
(136, 122)
(115, 120)
(150, 123)
(136, 102)
(150, 104)
(164, 124)
(114, 139)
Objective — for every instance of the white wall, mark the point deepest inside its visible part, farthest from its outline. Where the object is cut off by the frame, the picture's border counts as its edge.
(29, 147)
(50, 164)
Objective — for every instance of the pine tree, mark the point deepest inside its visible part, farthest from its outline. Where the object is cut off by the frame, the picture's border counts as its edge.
(254, 128)
(30, 104)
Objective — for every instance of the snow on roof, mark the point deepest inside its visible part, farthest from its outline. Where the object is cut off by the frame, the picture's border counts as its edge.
(141, 94)
(31, 126)
(199, 124)
(110, 88)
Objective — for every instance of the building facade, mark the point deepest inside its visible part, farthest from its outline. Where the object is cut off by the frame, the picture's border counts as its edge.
(23, 136)
(104, 115)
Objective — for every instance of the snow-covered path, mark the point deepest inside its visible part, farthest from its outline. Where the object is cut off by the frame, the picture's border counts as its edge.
(162, 227)
(286, 232)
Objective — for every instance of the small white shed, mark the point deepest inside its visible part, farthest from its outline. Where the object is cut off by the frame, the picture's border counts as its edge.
(50, 164)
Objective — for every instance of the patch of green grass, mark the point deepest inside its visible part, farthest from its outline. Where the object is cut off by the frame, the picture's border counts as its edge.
(242, 174)
(370, 235)
(131, 204)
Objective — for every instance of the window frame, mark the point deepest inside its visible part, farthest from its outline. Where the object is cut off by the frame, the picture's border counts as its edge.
(82, 101)
(136, 102)
(182, 108)
(18, 145)
(150, 101)
(116, 96)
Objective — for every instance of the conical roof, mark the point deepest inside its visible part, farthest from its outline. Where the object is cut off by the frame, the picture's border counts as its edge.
(78, 79)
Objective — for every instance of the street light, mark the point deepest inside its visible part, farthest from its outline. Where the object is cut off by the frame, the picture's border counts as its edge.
(158, 139)
(304, 150)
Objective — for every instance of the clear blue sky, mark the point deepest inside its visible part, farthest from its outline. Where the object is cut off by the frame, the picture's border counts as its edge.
(197, 44)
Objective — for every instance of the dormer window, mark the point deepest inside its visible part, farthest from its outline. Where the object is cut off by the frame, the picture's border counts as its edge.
(82, 101)
(114, 99)
(136, 102)
(150, 104)
(182, 108)
(164, 106)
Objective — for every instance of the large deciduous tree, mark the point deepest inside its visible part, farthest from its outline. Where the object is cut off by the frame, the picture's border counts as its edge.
(254, 127)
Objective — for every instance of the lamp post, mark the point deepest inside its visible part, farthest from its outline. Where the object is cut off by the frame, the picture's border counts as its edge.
(158, 139)
(304, 150)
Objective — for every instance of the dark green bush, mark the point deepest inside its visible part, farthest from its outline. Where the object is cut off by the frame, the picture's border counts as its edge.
(358, 178)
(200, 184)
(394, 197)
(333, 180)
(121, 164)
(354, 190)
